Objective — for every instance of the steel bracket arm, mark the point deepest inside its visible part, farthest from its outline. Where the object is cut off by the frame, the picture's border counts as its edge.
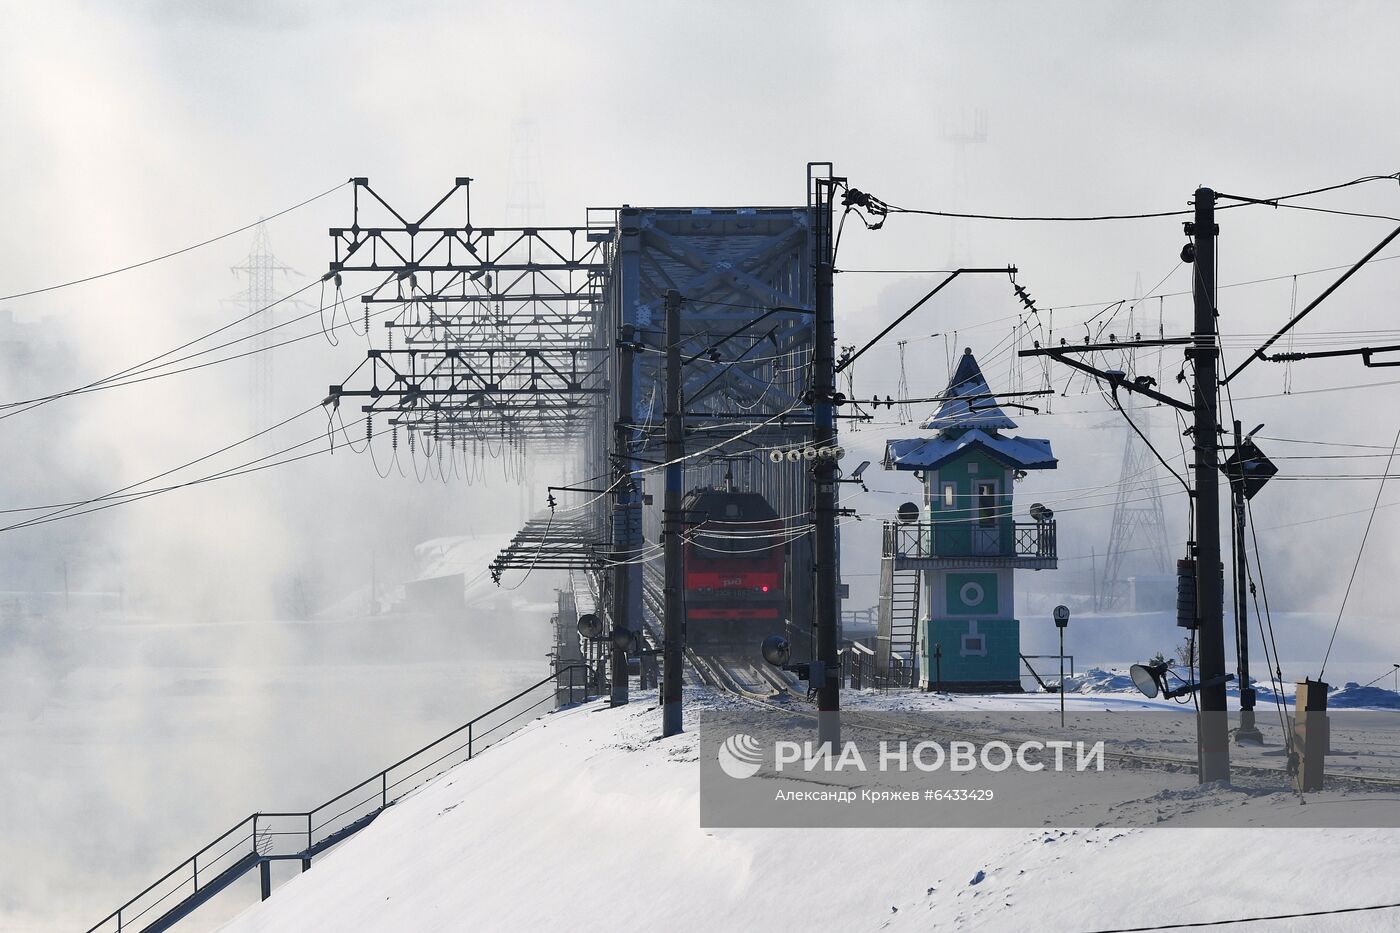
(1062, 355)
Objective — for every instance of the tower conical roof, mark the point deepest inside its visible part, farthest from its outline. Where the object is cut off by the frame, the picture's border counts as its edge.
(969, 402)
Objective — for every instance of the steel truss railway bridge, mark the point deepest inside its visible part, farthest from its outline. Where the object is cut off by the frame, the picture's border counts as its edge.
(513, 342)
(549, 342)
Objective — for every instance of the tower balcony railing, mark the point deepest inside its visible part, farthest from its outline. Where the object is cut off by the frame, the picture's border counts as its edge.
(1029, 544)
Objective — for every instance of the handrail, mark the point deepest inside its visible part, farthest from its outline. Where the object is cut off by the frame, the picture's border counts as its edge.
(970, 540)
(312, 846)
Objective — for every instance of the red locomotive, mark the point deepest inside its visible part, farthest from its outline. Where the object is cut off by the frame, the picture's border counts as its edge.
(735, 566)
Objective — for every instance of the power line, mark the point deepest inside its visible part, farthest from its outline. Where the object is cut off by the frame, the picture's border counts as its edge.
(885, 207)
(1359, 551)
(125, 494)
(30, 404)
(1260, 919)
(1389, 673)
(1043, 218)
(1259, 281)
(141, 372)
(178, 252)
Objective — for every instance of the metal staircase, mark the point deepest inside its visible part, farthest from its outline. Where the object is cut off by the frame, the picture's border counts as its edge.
(264, 837)
(904, 626)
(897, 625)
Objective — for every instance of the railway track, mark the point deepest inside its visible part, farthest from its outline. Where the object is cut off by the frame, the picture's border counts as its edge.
(747, 678)
(756, 682)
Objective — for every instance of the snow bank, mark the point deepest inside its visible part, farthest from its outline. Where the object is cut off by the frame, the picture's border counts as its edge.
(586, 820)
(1098, 680)
(1352, 696)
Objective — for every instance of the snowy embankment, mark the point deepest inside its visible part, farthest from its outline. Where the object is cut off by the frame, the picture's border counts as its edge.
(1350, 695)
(586, 819)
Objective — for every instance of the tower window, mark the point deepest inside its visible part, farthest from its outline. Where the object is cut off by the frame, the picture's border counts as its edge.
(950, 495)
(986, 503)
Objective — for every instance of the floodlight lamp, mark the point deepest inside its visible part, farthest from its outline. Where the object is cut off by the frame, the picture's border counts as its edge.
(590, 626)
(776, 650)
(1150, 679)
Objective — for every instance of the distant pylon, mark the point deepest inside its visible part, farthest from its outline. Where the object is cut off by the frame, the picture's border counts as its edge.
(970, 130)
(906, 412)
(1139, 527)
(260, 270)
(524, 197)
(524, 208)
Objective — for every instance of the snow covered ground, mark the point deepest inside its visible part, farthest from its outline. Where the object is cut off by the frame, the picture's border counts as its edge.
(586, 819)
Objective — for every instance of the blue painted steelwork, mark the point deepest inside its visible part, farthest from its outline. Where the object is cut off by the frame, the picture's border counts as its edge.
(743, 385)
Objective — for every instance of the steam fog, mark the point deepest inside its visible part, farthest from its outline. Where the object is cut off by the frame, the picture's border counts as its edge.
(169, 665)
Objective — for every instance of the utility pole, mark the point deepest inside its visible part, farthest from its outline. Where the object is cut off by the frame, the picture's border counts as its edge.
(1213, 748)
(825, 596)
(624, 514)
(673, 626)
(1212, 727)
(1247, 731)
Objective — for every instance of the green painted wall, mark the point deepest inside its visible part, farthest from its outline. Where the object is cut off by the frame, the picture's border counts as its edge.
(973, 594)
(956, 537)
(1001, 639)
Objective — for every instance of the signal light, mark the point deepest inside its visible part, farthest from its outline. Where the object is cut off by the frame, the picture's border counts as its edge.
(765, 589)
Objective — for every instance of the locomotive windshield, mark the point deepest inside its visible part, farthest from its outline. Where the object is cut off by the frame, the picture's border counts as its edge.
(731, 524)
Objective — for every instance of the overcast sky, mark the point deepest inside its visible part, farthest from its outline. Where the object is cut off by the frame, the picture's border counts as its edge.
(135, 128)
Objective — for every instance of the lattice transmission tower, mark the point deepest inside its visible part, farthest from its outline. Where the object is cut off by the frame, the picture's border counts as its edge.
(524, 208)
(1139, 534)
(259, 271)
(524, 195)
(969, 130)
(906, 412)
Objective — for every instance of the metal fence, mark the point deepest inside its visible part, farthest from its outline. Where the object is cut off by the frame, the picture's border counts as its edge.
(264, 837)
(969, 539)
(862, 673)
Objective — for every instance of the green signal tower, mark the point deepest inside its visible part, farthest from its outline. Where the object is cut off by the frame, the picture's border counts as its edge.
(963, 546)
